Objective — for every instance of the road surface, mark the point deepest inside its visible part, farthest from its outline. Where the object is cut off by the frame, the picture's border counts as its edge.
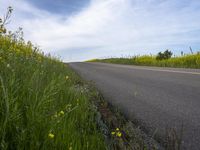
(157, 98)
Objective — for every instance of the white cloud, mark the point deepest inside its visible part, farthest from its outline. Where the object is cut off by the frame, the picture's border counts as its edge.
(106, 27)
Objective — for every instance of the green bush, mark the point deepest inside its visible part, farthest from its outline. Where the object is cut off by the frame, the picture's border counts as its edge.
(165, 55)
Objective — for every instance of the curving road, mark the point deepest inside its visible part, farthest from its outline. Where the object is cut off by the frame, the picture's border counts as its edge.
(157, 98)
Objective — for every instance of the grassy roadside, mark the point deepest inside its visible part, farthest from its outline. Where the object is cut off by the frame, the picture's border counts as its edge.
(45, 105)
(41, 104)
(120, 132)
(187, 61)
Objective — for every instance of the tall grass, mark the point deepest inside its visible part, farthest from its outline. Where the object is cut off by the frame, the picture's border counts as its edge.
(187, 61)
(41, 104)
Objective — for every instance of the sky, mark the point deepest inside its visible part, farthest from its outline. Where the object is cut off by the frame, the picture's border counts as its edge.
(78, 30)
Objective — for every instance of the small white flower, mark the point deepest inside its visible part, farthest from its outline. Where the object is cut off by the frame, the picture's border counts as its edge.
(8, 65)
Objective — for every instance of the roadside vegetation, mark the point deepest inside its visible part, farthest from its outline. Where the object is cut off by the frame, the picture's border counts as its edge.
(164, 59)
(42, 102)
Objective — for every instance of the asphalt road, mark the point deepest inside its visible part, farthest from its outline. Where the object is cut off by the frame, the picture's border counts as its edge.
(157, 98)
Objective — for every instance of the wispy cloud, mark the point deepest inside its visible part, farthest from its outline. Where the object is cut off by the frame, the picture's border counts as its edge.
(111, 27)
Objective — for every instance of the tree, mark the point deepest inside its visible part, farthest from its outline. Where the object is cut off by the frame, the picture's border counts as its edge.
(165, 55)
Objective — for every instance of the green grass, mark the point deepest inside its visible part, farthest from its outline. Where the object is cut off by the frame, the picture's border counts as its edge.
(42, 104)
(187, 61)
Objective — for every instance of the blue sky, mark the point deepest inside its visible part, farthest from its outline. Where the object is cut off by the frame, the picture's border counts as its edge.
(77, 30)
(60, 6)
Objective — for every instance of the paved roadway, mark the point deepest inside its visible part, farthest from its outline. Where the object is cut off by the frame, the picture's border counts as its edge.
(157, 98)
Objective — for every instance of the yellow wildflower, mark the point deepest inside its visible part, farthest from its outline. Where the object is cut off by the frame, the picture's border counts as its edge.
(119, 134)
(67, 77)
(51, 135)
(113, 133)
(61, 112)
(117, 129)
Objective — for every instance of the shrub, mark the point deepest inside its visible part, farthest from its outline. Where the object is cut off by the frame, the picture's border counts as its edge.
(165, 55)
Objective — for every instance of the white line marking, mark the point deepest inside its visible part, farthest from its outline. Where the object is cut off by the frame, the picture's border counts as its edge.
(172, 71)
(151, 69)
